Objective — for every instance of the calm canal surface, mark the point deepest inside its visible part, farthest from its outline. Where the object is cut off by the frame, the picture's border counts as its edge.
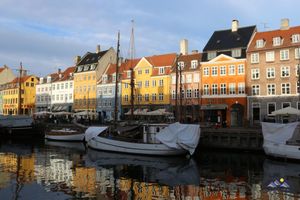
(59, 170)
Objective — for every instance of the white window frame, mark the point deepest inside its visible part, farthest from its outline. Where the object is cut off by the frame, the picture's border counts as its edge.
(255, 74)
(241, 69)
(147, 71)
(173, 94)
(214, 89)
(270, 72)
(189, 93)
(161, 83)
(232, 88)
(255, 90)
(161, 96)
(147, 83)
(241, 88)
(277, 41)
(231, 70)
(223, 89)
(222, 70)
(205, 71)
(284, 54)
(214, 71)
(206, 89)
(196, 77)
(297, 53)
(236, 53)
(189, 78)
(128, 74)
(295, 38)
(270, 56)
(285, 71)
(194, 64)
(254, 58)
(161, 70)
(259, 43)
(173, 79)
(180, 65)
(271, 89)
(211, 55)
(196, 93)
(285, 88)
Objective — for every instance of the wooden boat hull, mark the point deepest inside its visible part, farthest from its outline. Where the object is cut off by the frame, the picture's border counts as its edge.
(64, 135)
(282, 150)
(101, 143)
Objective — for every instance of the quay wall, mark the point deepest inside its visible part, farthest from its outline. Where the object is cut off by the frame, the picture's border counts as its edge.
(232, 138)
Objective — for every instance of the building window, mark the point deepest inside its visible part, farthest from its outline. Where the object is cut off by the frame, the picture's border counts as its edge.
(285, 71)
(271, 72)
(255, 90)
(114, 78)
(231, 70)
(146, 71)
(214, 71)
(271, 107)
(297, 53)
(222, 70)
(194, 64)
(259, 43)
(71, 85)
(255, 74)
(139, 97)
(214, 89)
(180, 65)
(241, 88)
(182, 93)
(297, 69)
(153, 83)
(285, 88)
(236, 53)
(146, 84)
(211, 55)
(276, 41)
(139, 84)
(241, 69)
(205, 71)
(196, 93)
(295, 38)
(270, 56)
(254, 58)
(161, 70)
(223, 88)
(154, 97)
(231, 88)
(128, 74)
(126, 98)
(173, 79)
(173, 94)
(284, 54)
(181, 78)
(196, 78)
(205, 89)
(271, 89)
(139, 72)
(189, 78)
(146, 97)
(104, 78)
(160, 96)
(161, 82)
(286, 104)
(188, 93)
(126, 85)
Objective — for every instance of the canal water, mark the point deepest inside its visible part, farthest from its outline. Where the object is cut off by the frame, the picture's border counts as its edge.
(59, 170)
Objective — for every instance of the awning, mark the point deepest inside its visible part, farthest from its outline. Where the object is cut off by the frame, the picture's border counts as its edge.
(214, 107)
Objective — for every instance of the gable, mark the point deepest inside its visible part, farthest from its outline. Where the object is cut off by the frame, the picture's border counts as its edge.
(142, 63)
(222, 58)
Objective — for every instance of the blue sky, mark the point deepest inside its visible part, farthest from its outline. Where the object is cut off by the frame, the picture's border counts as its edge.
(47, 35)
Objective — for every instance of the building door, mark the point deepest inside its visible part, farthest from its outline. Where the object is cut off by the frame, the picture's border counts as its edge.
(237, 115)
(256, 113)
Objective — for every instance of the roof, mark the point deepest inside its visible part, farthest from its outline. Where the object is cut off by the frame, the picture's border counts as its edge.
(1, 69)
(23, 79)
(226, 39)
(187, 61)
(162, 60)
(67, 74)
(111, 69)
(89, 59)
(268, 36)
(127, 65)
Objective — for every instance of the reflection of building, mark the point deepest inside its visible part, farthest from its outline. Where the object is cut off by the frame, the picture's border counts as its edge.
(188, 66)
(10, 95)
(88, 71)
(274, 62)
(223, 76)
(85, 180)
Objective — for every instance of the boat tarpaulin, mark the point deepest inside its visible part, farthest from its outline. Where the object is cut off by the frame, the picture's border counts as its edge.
(278, 133)
(94, 131)
(180, 136)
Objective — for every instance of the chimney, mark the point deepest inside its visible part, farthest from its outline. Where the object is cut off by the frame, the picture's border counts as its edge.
(121, 60)
(98, 48)
(41, 80)
(234, 25)
(59, 71)
(184, 47)
(77, 59)
(194, 51)
(284, 25)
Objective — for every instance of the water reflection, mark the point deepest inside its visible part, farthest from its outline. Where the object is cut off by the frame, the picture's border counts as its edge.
(55, 170)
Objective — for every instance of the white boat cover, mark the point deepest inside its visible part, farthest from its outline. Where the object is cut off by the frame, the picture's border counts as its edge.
(94, 131)
(278, 133)
(15, 121)
(180, 136)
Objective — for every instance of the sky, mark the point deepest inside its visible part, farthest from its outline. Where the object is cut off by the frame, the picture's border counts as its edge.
(46, 35)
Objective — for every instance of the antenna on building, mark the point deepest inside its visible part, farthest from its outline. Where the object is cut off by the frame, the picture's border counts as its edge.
(265, 26)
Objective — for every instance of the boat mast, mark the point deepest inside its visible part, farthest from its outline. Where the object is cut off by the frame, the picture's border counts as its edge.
(116, 86)
(132, 54)
(20, 89)
(176, 87)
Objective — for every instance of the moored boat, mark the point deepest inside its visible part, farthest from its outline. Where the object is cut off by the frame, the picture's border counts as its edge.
(65, 134)
(175, 139)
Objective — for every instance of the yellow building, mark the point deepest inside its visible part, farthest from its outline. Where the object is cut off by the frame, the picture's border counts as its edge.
(11, 94)
(88, 70)
(151, 82)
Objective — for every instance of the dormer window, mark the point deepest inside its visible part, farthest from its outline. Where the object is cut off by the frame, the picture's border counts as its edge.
(276, 41)
(86, 67)
(236, 53)
(48, 79)
(180, 65)
(128, 74)
(161, 70)
(259, 43)
(79, 69)
(194, 64)
(295, 38)
(41, 80)
(211, 55)
(93, 66)
(114, 78)
(104, 78)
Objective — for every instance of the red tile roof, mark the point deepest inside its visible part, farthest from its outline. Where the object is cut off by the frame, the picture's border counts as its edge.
(130, 63)
(268, 39)
(23, 79)
(162, 60)
(187, 61)
(1, 69)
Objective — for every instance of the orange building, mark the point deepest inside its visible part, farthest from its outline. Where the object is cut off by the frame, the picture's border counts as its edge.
(223, 93)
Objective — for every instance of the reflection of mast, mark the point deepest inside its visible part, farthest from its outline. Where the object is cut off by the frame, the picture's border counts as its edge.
(131, 56)
(18, 182)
